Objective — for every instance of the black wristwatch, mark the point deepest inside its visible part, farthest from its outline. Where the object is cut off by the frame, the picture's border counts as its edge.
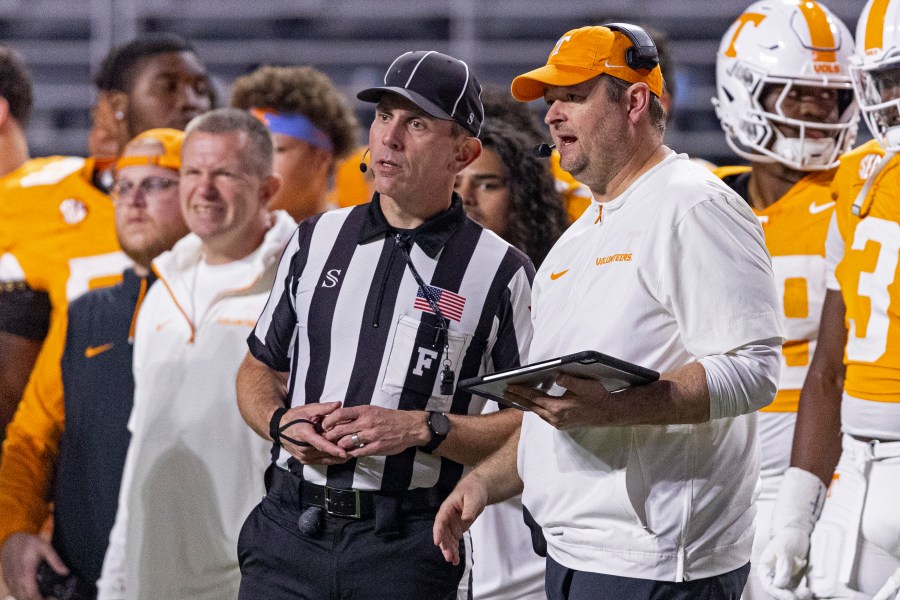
(439, 426)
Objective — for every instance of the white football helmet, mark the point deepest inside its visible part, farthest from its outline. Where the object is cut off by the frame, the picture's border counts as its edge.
(785, 43)
(876, 70)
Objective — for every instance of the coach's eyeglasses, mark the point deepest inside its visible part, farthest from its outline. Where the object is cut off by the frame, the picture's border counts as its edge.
(149, 188)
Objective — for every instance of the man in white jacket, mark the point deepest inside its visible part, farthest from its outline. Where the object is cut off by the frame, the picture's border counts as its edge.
(192, 473)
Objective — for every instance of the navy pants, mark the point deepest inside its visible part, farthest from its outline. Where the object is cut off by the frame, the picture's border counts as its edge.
(563, 583)
(345, 560)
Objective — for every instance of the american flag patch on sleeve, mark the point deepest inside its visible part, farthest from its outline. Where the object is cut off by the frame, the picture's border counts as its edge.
(451, 305)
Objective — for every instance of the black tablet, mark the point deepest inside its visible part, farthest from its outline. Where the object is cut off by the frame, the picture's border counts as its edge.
(615, 374)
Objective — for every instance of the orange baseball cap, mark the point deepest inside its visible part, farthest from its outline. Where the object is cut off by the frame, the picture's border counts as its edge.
(583, 54)
(160, 147)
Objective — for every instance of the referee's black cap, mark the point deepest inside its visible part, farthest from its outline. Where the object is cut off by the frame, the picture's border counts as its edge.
(441, 85)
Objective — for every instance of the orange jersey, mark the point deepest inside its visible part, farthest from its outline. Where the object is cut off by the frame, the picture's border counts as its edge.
(796, 227)
(56, 229)
(867, 273)
(576, 196)
(57, 234)
(351, 186)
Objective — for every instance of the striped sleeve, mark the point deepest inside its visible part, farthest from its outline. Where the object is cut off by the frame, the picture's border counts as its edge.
(514, 329)
(271, 339)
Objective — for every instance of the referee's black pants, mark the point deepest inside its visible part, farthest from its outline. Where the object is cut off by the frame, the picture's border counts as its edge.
(563, 583)
(345, 560)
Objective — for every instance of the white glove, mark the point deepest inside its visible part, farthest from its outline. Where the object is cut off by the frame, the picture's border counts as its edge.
(797, 509)
(889, 590)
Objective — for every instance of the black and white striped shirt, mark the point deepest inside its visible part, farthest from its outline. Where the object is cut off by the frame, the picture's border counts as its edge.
(344, 319)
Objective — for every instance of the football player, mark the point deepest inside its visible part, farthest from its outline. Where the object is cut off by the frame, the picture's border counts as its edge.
(848, 427)
(157, 80)
(785, 101)
(57, 238)
(15, 108)
(76, 458)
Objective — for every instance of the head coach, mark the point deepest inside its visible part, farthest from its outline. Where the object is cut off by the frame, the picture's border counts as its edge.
(648, 492)
(376, 312)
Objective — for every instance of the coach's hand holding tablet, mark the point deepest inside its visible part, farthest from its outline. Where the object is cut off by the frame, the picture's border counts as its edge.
(580, 402)
(568, 391)
(573, 401)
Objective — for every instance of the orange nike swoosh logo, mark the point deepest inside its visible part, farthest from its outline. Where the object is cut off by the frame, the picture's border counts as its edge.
(555, 276)
(92, 351)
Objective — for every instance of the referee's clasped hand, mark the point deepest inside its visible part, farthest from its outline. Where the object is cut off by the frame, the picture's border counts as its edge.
(381, 431)
(582, 404)
(317, 448)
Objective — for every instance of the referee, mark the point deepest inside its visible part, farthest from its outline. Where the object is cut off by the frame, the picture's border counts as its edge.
(377, 311)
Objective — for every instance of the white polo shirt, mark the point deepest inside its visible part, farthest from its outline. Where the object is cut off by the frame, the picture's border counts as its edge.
(672, 270)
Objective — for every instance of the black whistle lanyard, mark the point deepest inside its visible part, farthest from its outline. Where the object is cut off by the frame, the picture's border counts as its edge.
(447, 374)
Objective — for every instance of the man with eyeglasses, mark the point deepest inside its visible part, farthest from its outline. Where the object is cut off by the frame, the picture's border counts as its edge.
(57, 238)
(88, 452)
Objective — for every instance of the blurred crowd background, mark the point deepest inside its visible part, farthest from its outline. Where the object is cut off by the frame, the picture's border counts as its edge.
(353, 41)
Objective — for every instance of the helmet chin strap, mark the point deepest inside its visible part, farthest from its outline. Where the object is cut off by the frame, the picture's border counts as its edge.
(804, 152)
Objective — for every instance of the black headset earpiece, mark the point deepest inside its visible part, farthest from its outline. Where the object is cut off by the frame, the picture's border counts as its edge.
(642, 54)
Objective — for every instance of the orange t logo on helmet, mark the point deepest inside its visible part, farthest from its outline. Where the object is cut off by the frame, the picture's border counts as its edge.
(820, 33)
(875, 25)
(742, 20)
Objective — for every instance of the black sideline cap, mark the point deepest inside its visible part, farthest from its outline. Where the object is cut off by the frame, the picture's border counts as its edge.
(440, 85)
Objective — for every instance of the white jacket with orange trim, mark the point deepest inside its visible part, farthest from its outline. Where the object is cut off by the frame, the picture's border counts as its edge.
(194, 468)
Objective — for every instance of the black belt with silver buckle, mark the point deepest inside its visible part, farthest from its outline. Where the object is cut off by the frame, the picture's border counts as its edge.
(356, 504)
(288, 489)
(353, 504)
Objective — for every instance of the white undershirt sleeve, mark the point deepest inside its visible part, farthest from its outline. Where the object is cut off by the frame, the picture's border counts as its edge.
(743, 380)
(834, 252)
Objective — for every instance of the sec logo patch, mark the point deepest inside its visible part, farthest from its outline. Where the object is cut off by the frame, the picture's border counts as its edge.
(73, 211)
(867, 165)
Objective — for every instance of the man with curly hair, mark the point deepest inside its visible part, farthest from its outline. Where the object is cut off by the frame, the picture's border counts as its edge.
(313, 127)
